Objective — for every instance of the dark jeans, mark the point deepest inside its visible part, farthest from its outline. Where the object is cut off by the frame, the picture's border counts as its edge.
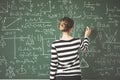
(68, 78)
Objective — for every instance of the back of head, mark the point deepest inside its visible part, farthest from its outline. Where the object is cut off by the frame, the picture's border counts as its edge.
(67, 22)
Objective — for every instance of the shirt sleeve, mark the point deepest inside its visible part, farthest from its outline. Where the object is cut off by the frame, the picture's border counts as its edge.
(54, 62)
(84, 44)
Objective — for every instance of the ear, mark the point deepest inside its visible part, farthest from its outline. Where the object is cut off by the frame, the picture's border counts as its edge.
(62, 27)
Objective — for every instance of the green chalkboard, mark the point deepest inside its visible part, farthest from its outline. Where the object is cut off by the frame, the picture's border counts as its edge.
(28, 27)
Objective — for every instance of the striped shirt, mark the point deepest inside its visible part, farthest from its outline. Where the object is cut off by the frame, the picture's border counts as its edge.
(65, 57)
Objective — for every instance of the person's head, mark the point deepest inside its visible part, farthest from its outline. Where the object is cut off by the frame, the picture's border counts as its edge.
(66, 24)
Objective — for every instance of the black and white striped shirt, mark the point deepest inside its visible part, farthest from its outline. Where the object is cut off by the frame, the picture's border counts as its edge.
(65, 57)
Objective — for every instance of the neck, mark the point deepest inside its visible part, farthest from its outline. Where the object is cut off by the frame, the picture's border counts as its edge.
(66, 36)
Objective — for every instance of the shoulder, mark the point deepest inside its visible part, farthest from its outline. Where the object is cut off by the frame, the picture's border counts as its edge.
(55, 42)
(77, 39)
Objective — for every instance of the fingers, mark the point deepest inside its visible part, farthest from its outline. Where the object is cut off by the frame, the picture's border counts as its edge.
(88, 28)
(88, 31)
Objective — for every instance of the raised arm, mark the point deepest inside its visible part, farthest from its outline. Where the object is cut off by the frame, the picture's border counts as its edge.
(84, 43)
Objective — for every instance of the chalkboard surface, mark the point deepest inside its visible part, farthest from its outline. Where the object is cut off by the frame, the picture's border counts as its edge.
(28, 27)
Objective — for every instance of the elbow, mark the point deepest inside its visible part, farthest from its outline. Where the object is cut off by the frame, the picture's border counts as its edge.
(85, 49)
